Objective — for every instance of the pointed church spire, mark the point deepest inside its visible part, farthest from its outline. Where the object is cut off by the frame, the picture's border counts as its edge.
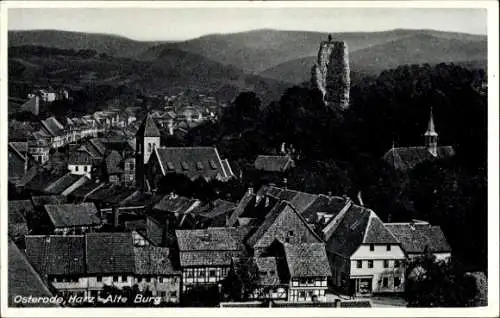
(431, 136)
(431, 131)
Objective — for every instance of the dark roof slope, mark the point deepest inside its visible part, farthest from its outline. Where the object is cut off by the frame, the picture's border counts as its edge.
(210, 239)
(153, 260)
(273, 163)
(194, 162)
(68, 215)
(307, 260)
(23, 280)
(57, 254)
(112, 161)
(176, 204)
(41, 200)
(406, 158)
(110, 253)
(240, 208)
(19, 210)
(414, 238)
(63, 183)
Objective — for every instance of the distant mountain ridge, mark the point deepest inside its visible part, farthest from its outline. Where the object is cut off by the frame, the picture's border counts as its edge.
(103, 43)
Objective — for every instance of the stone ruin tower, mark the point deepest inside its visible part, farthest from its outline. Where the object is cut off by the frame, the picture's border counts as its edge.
(331, 75)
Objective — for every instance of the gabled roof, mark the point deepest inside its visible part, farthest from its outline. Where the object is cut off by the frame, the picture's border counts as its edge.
(148, 128)
(300, 200)
(307, 260)
(240, 208)
(216, 208)
(153, 260)
(23, 280)
(358, 226)
(53, 127)
(70, 215)
(416, 237)
(269, 229)
(110, 253)
(63, 183)
(194, 162)
(273, 163)
(42, 178)
(112, 161)
(176, 204)
(79, 158)
(209, 239)
(267, 268)
(41, 200)
(56, 254)
(87, 189)
(405, 158)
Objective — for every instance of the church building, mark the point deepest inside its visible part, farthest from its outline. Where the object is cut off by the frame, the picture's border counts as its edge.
(406, 158)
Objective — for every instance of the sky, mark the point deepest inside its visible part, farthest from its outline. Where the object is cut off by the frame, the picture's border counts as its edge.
(185, 23)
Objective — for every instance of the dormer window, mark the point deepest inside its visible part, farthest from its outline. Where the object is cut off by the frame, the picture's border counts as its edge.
(184, 165)
(212, 164)
(170, 166)
(372, 247)
(199, 165)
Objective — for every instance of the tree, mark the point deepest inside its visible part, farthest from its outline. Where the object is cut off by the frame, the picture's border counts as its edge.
(438, 284)
(175, 182)
(242, 280)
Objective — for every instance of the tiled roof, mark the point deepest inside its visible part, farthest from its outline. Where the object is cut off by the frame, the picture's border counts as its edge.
(148, 128)
(56, 254)
(358, 226)
(86, 189)
(268, 270)
(153, 260)
(193, 162)
(68, 215)
(20, 147)
(216, 208)
(307, 260)
(53, 127)
(98, 145)
(208, 258)
(240, 208)
(110, 253)
(176, 204)
(23, 280)
(63, 183)
(210, 239)
(112, 161)
(414, 238)
(266, 229)
(79, 158)
(42, 178)
(41, 200)
(406, 158)
(273, 163)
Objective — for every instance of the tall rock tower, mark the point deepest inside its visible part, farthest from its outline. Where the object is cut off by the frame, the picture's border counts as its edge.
(147, 140)
(331, 73)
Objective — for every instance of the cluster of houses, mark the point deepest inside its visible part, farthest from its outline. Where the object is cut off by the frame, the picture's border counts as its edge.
(96, 220)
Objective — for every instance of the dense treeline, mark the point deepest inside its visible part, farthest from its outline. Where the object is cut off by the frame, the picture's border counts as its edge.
(340, 151)
(42, 51)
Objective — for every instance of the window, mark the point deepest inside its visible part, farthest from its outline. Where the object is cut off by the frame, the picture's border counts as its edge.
(388, 247)
(173, 294)
(370, 264)
(386, 263)
(385, 282)
(272, 273)
(184, 165)
(199, 165)
(202, 273)
(290, 233)
(170, 166)
(212, 164)
(359, 264)
(302, 294)
(372, 247)
(396, 263)
(160, 279)
(124, 278)
(163, 294)
(150, 147)
(76, 168)
(262, 273)
(148, 279)
(99, 279)
(397, 281)
(212, 273)
(115, 279)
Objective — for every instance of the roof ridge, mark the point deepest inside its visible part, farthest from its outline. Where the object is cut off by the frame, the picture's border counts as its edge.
(370, 218)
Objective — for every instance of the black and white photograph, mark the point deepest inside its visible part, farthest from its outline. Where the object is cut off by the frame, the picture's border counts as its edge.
(329, 158)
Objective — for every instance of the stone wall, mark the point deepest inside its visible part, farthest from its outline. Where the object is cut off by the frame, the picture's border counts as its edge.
(331, 74)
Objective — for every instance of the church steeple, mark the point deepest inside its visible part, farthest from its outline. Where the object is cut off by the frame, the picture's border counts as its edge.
(431, 136)
(147, 140)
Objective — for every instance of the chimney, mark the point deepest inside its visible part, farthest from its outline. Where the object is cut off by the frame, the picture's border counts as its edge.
(116, 217)
(285, 183)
